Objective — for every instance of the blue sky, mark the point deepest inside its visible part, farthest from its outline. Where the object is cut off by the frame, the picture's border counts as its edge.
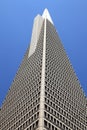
(16, 21)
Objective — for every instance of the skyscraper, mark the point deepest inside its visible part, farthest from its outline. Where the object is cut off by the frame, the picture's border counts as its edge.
(45, 93)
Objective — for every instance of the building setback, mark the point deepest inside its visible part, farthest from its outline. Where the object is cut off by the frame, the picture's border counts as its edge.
(45, 93)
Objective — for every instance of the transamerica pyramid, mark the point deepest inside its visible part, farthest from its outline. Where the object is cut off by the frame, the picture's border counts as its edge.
(45, 93)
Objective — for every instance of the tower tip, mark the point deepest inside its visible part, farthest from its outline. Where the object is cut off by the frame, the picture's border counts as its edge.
(47, 15)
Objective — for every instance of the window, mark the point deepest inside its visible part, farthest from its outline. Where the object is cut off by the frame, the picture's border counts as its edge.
(60, 125)
(63, 127)
(45, 123)
(52, 127)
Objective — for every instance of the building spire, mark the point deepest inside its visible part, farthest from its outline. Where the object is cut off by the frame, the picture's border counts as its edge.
(47, 15)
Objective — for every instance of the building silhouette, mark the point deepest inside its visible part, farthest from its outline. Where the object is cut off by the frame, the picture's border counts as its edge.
(45, 93)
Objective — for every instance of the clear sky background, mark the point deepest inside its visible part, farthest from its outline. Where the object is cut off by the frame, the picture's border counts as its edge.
(16, 21)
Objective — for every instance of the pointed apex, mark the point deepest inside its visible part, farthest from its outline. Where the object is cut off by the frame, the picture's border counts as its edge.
(47, 15)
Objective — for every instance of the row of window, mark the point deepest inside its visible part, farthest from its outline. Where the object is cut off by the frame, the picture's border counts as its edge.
(14, 92)
(58, 98)
(33, 126)
(50, 126)
(70, 84)
(22, 111)
(62, 111)
(53, 119)
(31, 99)
(24, 93)
(51, 50)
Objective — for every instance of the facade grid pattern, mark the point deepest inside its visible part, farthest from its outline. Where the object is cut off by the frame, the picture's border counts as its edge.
(45, 89)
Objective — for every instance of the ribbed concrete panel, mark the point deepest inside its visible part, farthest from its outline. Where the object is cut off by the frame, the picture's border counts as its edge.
(38, 21)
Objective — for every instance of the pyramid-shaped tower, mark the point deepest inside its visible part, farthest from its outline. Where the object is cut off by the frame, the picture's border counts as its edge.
(45, 93)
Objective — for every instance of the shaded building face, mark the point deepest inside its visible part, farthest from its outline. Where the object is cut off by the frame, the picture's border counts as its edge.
(45, 93)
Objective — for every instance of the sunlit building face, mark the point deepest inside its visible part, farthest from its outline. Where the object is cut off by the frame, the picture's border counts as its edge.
(45, 93)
